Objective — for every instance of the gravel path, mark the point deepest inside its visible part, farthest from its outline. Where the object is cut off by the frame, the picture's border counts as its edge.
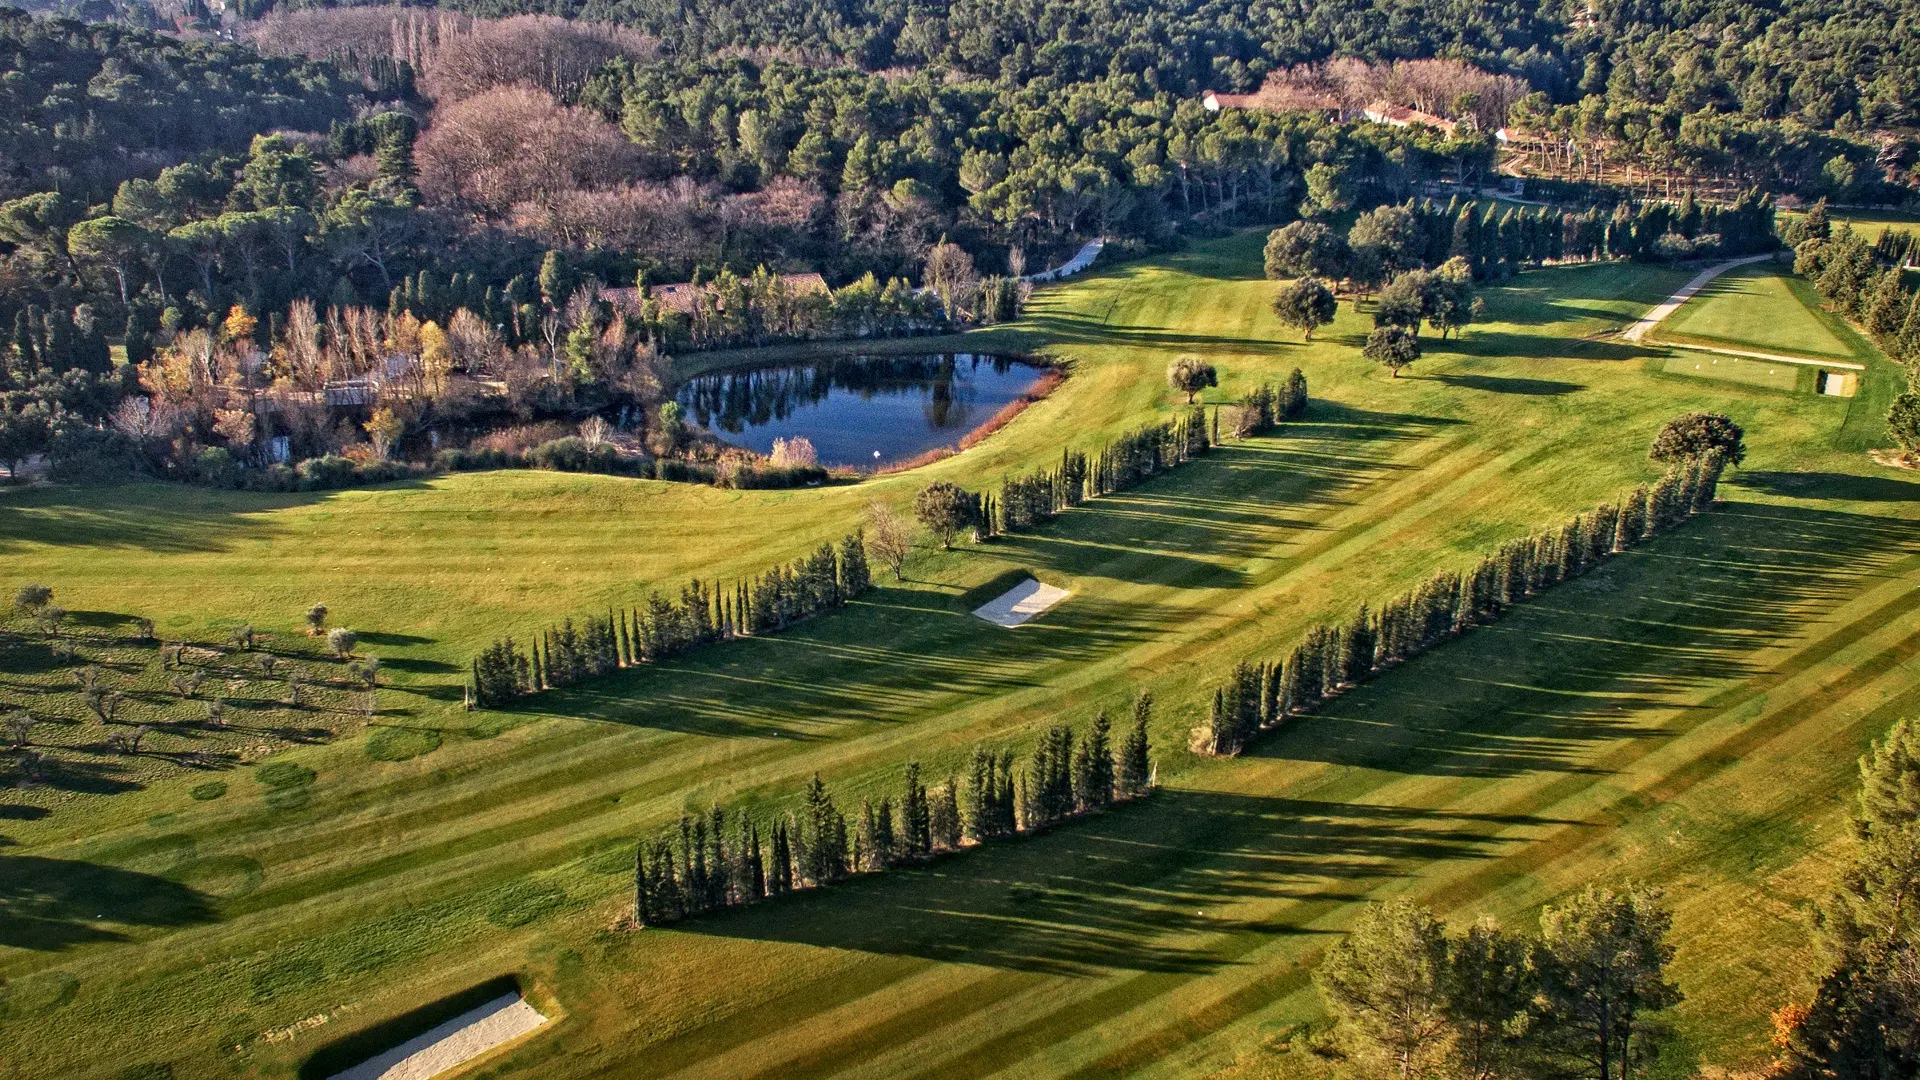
(1020, 603)
(1654, 318)
(453, 1043)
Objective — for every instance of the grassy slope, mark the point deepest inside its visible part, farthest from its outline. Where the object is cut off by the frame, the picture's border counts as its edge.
(1755, 308)
(1712, 733)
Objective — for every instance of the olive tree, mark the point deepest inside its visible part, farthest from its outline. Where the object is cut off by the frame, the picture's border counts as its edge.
(1305, 304)
(342, 640)
(945, 509)
(1190, 375)
(1394, 346)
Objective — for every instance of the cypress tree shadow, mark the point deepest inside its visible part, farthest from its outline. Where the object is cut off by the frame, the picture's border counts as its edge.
(1128, 890)
(48, 905)
(1650, 630)
(879, 661)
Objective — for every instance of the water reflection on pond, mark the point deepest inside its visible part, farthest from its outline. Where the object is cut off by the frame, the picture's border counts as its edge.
(863, 411)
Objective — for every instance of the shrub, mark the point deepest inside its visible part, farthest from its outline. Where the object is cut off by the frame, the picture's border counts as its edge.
(215, 467)
(342, 640)
(325, 473)
(32, 598)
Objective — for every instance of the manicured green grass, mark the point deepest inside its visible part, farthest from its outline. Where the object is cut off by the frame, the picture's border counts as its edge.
(1764, 373)
(1688, 715)
(1754, 307)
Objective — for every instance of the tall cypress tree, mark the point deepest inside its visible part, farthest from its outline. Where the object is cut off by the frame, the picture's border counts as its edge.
(780, 880)
(1135, 770)
(916, 826)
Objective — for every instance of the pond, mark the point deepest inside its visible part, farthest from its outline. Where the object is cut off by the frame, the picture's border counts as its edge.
(862, 411)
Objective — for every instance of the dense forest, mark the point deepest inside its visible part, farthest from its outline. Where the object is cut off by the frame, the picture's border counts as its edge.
(348, 228)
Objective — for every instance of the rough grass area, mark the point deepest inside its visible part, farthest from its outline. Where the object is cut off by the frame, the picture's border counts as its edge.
(1755, 307)
(1688, 715)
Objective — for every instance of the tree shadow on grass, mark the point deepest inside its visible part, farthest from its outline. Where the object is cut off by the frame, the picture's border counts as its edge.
(1128, 890)
(890, 656)
(1828, 485)
(1587, 660)
(1503, 343)
(1494, 384)
(48, 905)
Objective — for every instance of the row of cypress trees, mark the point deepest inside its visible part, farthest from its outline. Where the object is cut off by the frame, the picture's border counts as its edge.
(1034, 498)
(1264, 406)
(703, 614)
(1257, 697)
(713, 861)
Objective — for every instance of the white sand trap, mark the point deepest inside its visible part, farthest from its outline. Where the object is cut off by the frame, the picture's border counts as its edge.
(453, 1043)
(1020, 603)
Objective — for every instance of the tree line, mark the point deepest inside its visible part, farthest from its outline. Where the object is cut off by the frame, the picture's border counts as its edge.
(1497, 240)
(715, 860)
(702, 615)
(1026, 500)
(1257, 697)
(1862, 279)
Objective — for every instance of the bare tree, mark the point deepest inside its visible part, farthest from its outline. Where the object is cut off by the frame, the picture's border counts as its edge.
(516, 145)
(888, 537)
(188, 684)
(265, 661)
(950, 274)
(104, 704)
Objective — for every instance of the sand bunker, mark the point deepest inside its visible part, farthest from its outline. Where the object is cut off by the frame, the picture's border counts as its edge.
(453, 1043)
(1020, 603)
